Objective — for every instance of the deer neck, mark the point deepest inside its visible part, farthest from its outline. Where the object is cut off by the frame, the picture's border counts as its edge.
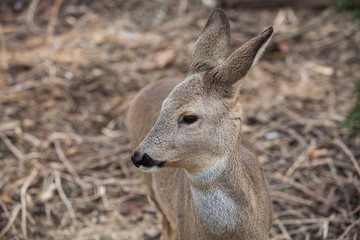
(216, 209)
(206, 177)
(226, 165)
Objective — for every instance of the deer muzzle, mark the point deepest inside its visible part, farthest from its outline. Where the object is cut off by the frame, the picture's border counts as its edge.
(145, 161)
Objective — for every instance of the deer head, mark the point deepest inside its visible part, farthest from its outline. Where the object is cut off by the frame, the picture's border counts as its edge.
(201, 120)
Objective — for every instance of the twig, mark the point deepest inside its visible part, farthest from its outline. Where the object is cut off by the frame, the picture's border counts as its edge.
(124, 168)
(324, 161)
(6, 126)
(306, 121)
(348, 152)
(4, 63)
(32, 139)
(324, 228)
(29, 17)
(292, 198)
(356, 210)
(18, 154)
(103, 154)
(23, 191)
(264, 130)
(282, 227)
(182, 7)
(331, 40)
(342, 236)
(21, 87)
(341, 186)
(53, 20)
(295, 165)
(61, 135)
(115, 181)
(304, 230)
(3, 206)
(13, 216)
(315, 220)
(331, 176)
(63, 196)
(295, 135)
(102, 193)
(3, 179)
(301, 187)
(305, 27)
(68, 165)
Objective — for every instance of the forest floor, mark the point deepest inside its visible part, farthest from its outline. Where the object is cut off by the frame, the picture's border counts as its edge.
(67, 76)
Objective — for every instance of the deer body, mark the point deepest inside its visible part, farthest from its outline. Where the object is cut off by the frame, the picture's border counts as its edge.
(187, 136)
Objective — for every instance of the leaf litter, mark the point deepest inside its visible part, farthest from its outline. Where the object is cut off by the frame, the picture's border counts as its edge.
(69, 71)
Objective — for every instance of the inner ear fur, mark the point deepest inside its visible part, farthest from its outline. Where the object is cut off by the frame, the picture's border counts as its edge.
(214, 43)
(226, 75)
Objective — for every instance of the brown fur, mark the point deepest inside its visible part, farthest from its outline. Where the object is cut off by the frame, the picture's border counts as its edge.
(232, 202)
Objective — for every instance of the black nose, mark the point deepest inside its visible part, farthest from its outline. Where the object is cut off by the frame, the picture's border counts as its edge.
(137, 159)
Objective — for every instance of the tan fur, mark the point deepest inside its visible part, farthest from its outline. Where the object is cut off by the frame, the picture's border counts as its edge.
(209, 186)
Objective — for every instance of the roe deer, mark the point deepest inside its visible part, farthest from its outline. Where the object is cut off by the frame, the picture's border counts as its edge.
(187, 136)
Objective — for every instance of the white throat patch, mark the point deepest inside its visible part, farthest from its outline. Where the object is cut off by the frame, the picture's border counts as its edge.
(216, 210)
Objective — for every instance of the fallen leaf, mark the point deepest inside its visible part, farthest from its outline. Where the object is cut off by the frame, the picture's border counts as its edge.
(164, 58)
(6, 198)
(324, 70)
(314, 153)
(47, 194)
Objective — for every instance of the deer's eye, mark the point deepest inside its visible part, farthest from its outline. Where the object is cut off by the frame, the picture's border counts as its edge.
(189, 119)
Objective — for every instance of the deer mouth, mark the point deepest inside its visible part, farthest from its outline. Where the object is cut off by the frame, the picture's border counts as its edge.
(146, 163)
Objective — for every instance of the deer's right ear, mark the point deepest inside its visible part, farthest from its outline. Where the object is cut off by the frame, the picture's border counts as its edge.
(214, 43)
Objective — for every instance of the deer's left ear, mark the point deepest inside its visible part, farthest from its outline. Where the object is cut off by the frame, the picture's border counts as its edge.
(227, 76)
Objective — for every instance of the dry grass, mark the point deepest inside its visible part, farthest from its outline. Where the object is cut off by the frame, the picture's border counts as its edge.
(69, 71)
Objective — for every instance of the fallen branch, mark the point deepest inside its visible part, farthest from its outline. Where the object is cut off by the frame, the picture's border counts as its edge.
(4, 62)
(291, 198)
(342, 236)
(64, 197)
(23, 192)
(69, 166)
(348, 152)
(53, 20)
(18, 154)
(13, 216)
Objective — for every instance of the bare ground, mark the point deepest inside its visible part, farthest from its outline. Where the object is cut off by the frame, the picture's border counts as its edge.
(69, 71)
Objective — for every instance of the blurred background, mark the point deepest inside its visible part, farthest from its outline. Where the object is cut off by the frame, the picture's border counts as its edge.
(68, 70)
